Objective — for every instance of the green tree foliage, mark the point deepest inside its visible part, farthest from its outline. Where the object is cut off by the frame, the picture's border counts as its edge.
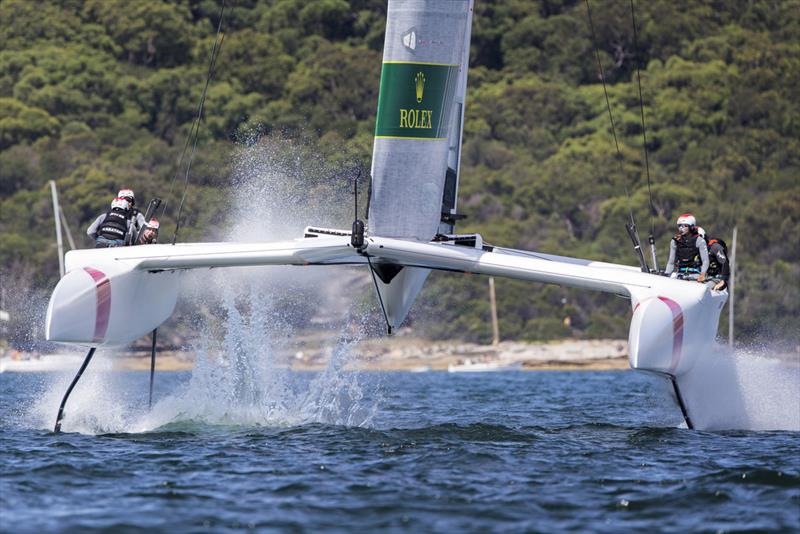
(100, 94)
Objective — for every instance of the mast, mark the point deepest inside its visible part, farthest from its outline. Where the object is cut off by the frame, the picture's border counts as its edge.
(70, 240)
(493, 304)
(456, 134)
(731, 289)
(56, 210)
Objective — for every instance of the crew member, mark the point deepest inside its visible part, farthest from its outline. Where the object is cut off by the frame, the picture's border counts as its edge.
(688, 252)
(719, 268)
(149, 235)
(111, 228)
(137, 219)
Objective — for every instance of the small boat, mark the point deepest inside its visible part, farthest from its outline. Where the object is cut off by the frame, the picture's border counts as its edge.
(37, 363)
(468, 366)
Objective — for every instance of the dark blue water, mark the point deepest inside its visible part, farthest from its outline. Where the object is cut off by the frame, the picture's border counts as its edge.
(516, 452)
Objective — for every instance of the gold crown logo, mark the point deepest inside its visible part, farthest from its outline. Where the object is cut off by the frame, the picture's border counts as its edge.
(419, 82)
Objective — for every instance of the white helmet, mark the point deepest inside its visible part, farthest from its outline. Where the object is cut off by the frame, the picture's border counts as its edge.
(120, 203)
(153, 223)
(687, 218)
(127, 194)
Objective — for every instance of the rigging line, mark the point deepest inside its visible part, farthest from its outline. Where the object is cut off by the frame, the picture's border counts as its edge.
(211, 67)
(195, 122)
(644, 131)
(196, 125)
(610, 115)
(380, 299)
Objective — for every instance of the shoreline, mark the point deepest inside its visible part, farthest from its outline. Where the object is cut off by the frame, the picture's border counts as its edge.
(401, 353)
(416, 355)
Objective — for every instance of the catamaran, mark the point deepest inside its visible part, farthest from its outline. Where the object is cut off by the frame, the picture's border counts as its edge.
(412, 214)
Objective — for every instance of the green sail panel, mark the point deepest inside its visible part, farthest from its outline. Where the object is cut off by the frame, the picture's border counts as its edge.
(425, 57)
(415, 100)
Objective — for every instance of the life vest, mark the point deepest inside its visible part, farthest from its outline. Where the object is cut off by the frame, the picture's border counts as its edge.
(714, 267)
(115, 225)
(687, 255)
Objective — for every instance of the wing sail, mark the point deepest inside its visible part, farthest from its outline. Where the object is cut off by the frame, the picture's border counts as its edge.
(417, 134)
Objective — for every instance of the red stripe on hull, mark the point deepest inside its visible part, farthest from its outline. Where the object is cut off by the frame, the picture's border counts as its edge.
(677, 331)
(103, 292)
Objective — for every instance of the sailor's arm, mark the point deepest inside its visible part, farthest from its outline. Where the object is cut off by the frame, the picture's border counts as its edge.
(92, 230)
(722, 259)
(671, 261)
(703, 248)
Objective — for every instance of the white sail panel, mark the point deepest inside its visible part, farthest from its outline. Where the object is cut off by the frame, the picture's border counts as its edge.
(424, 70)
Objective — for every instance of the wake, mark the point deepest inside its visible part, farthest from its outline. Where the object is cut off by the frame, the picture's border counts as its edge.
(745, 389)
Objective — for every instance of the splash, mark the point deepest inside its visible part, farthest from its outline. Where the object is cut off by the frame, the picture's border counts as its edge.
(247, 317)
(241, 375)
(247, 381)
(745, 389)
(100, 403)
(279, 186)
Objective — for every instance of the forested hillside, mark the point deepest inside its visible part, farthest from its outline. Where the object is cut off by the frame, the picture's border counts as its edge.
(99, 94)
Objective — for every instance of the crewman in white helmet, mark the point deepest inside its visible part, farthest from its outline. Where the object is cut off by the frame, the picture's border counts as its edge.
(137, 218)
(688, 251)
(149, 235)
(112, 227)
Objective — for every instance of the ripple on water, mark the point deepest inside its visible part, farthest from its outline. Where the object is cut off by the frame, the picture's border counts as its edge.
(442, 467)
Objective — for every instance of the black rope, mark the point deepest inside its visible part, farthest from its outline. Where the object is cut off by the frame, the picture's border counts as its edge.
(610, 115)
(188, 137)
(380, 299)
(644, 131)
(196, 125)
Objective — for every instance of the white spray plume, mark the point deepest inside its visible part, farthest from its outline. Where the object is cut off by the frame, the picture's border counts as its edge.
(746, 389)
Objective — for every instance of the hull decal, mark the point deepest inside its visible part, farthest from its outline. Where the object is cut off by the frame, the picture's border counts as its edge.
(677, 331)
(103, 292)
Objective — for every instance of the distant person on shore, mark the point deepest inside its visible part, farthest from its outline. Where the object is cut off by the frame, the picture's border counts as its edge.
(112, 227)
(719, 268)
(137, 218)
(149, 235)
(688, 252)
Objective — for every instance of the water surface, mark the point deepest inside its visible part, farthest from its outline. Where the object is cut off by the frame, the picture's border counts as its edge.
(436, 452)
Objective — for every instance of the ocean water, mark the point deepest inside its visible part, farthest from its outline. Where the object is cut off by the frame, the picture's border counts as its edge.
(349, 452)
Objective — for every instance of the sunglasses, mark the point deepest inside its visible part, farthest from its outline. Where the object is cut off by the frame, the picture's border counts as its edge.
(683, 226)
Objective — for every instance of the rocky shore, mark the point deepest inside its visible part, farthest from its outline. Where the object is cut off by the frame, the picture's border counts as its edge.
(414, 354)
